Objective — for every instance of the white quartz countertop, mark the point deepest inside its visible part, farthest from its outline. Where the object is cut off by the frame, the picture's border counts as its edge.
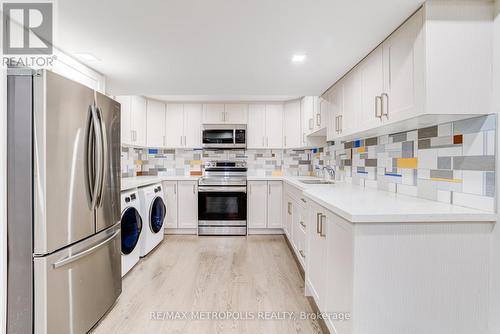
(354, 203)
(142, 181)
(367, 205)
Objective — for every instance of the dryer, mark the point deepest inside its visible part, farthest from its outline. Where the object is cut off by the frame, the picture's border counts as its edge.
(154, 212)
(131, 229)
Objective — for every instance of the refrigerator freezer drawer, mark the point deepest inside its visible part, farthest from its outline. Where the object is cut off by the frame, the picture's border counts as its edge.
(76, 286)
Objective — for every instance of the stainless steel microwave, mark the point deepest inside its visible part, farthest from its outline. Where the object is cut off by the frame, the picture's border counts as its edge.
(224, 136)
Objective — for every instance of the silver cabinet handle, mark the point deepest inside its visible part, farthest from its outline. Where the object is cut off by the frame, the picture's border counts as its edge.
(303, 200)
(321, 226)
(318, 119)
(311, 123)
(301, 252)
(175, 188)
(318, 216)
(285, 140)
(377, 100)
(289, 208)
(341, 118)
(303, 225)
(131, 135)
(164, 141)
(194, 190)
(384, 104)
(181, 140)
(185, 142)
(86, 252)
(263, 141)
(337, 124)
(269, 187)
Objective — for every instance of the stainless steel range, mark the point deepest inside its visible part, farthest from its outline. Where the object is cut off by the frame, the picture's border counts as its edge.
(222, 199)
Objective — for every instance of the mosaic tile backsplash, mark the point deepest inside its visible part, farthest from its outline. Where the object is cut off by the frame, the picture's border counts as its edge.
(451, 162)
(144, 161)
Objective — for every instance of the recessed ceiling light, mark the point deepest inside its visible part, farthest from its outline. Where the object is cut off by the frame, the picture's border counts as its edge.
(86, 56)
(298, 58)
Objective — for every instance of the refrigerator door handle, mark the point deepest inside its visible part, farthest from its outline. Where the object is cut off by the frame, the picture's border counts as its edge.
(92, 156)
(86, 252)
(104, 157)
(89, 157)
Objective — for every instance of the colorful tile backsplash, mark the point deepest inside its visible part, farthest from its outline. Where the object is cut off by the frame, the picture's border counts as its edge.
(452, 162)
(143, 161)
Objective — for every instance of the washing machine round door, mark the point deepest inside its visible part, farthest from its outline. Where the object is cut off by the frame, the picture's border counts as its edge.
(131, 226)
(157, 215)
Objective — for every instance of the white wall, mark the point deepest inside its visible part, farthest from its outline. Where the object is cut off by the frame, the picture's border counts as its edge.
(495, 293)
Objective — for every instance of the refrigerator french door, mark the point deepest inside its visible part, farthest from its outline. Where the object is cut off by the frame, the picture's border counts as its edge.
(64, 265)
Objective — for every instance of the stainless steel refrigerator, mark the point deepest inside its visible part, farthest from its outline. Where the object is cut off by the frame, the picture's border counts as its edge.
(63, 205)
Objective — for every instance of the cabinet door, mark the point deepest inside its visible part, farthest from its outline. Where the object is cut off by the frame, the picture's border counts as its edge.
(192, 125)
(256, 129)
(274, 125)
(125, 118)
(155, 124)
(340, 269)
(307, 117)
(291, 125)
(174, 135)
(187, 204)
(288, 217)
(316, 255)
(335, 98)
(257, 204)
(274, 204)
(372, 85)
(321, 114)
(138, 120)
(236, 113)
(170, 194)
(348, 122)
(403, 86)
(213, 113)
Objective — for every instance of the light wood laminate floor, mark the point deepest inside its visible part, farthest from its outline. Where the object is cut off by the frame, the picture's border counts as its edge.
(212, 274)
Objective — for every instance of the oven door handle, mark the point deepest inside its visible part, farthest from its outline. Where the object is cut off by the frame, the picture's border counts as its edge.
(203, 189)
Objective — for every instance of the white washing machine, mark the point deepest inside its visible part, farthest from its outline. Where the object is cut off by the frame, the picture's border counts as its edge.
(153, 212)
(131, 229)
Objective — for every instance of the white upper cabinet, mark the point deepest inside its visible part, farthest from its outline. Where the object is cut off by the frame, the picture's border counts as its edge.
(213, 113)
(133, 120)
(403, 64)
(183, 128)
(436, 67)
(174, 135)
(218, 113)
(155, 120)
(371, 75)
(274, 125)
(265, 126)
(256, 128)
(307, 117)
(236, 113)
(291, 125)
(335, 98)
(192, 125)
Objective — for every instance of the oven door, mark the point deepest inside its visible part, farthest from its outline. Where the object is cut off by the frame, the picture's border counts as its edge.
(222, 210)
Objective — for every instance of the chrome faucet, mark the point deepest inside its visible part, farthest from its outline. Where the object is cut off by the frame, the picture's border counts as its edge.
(330, 171)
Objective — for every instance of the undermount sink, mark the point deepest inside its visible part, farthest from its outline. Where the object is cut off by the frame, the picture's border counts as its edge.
(307, 181)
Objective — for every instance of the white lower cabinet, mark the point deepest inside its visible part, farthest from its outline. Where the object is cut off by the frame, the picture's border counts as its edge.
(187, 197)
(287, 226)
(170, 196)
(339, 271)
(274, 208)
(330, 265)
(316, 275)
(265, 204)
(257, 204)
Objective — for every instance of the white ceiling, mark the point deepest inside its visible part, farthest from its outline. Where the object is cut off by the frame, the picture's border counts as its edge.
(225, 48)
